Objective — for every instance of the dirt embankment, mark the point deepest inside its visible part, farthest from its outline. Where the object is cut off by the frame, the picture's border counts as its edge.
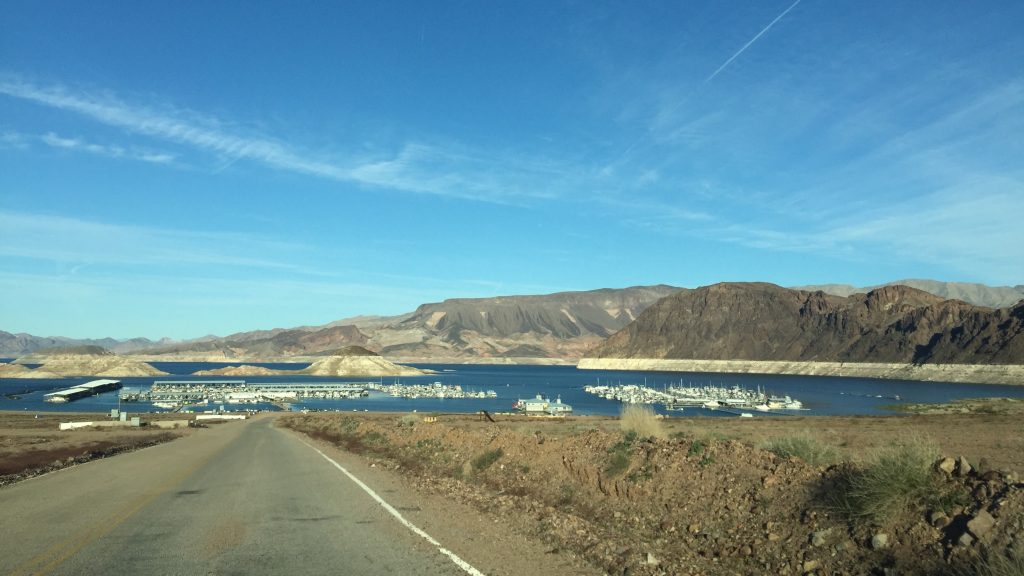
(31, 445)
(698, 501)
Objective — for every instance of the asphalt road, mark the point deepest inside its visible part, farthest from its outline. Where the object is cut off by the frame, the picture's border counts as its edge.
(240, 498)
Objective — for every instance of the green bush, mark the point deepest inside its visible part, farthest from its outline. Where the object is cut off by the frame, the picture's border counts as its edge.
(895, 480)
(620, 460)
(697, 448)
(805, 448)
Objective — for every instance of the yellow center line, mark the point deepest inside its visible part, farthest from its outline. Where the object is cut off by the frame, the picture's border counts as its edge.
(60, 552)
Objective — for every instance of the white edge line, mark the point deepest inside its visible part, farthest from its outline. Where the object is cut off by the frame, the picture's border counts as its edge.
(466, 566)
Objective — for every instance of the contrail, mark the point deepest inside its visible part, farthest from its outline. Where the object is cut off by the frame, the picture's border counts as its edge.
(752, 40)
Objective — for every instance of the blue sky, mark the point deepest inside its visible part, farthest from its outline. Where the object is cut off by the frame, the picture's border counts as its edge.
(177, 169)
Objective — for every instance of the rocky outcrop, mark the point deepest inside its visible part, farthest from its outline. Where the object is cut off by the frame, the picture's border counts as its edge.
(359, 365)
(66, 366)
(79, 361)
(243, 370)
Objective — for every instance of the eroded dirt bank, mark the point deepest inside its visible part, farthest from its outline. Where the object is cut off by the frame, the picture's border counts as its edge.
(706, 498)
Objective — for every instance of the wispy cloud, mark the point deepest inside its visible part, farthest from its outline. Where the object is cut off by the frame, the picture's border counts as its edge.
(54, 141)
(750, 43)
(75, 241)
(442, 170)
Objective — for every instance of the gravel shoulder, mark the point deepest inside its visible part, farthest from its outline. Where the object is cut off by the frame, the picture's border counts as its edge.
(705, 496)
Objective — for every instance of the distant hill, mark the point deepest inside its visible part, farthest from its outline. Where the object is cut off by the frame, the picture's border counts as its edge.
(764, 322)
(16, 345)
(559, 326)
(977, 294)
(271, 344)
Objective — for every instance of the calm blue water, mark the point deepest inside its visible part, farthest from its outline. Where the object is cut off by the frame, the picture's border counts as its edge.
(821, 395)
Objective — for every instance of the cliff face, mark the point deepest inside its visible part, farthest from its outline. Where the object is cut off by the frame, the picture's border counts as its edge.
(756, 321)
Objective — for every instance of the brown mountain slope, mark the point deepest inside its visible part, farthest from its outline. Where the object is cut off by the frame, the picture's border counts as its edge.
(972, 293)
(756, 321)
(561, 325)
(266, 344)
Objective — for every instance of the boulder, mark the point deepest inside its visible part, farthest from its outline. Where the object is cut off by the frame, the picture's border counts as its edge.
(963, 468)
(946, 465)
(981, 524)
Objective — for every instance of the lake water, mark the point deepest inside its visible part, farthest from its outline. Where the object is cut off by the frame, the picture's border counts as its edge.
(820, 395)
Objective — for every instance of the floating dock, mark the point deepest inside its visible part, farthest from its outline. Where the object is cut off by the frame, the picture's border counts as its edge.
(82, 391)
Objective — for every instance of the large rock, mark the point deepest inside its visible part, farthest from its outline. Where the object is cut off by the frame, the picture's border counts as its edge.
(981, 524)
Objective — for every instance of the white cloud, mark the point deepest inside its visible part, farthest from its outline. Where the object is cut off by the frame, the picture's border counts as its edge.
(76, 241)
(419, 168)
(55, 141)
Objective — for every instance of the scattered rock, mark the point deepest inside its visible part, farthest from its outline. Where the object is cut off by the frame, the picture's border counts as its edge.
(773, 537)
(983, 466)
(938, 519)
(963, 468)
(946, 465)
(880, 541)
(965, 539)
(651, 560)
(981, 492)
(981, 523)
(818, 538)
(811, 565)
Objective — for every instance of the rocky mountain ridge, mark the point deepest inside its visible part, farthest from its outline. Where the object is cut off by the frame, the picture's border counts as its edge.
(972, 293)
(765, 322)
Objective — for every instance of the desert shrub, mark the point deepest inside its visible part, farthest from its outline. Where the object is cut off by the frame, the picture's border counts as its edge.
(408, 420)
(641, 419)
(484, 461)
(697, 448)
(895, 479)
(805, 448)
(619, 454)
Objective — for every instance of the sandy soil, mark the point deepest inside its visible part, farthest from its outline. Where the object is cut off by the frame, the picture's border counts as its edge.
(706, 497)
(31, 444)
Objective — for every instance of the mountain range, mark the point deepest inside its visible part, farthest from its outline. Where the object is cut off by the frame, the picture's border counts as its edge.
(977, 294)
(554, 327)
(765, 322)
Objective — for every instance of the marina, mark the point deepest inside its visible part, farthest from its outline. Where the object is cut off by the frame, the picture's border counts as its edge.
(179, 393)
(673, 393)
(81, 391)
(732, 400)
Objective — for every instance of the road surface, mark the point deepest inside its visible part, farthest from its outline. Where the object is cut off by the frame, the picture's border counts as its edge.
(238, 498)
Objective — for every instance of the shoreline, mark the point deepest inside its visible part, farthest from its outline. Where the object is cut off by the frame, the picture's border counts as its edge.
(1002, 374)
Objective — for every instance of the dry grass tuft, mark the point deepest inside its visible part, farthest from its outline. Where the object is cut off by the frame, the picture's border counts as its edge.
(641, 420)
(894, 481)
(805, 447)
